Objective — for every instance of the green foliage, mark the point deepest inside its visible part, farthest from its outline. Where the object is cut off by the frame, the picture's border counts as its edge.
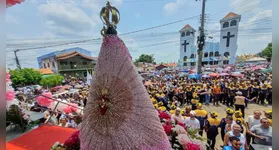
(15, 116)
(26, 76)
(145, 58)
(267, 52)
(51, 81)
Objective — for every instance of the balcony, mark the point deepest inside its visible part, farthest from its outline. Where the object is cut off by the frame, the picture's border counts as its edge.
(75, 67)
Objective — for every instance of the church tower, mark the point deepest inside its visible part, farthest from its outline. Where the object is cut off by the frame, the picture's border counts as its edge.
(187, 46)
(228, 38)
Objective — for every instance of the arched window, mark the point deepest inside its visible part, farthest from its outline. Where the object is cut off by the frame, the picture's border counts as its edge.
(185, 61)
(48, 66)
(182, 34)
(233, 23)
(185, 58)
(192, 56)
(216, 54)
(210, 54)
(226, 54)
(53, 64)
(44, 65)
(226, 24)
(206, 54)
(188, 33)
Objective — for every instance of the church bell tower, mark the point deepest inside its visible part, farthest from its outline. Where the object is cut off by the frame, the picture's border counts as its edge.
(228, 38)
(187, 46)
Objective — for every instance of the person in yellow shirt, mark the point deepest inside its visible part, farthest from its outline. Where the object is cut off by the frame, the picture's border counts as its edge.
(211, 129)
(194, 102)
(172, 110)
(237, 117)
(268, 115)
(201, 115)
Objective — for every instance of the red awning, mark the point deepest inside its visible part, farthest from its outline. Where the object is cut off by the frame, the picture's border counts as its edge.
(41, 138)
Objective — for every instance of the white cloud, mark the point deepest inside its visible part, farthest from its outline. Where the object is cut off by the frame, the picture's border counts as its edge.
(66, 19)
(242, 6)
(11, 19)
(173, 7)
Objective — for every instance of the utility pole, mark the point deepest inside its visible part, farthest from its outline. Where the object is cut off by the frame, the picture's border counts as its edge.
(17, 61)
(201, 38)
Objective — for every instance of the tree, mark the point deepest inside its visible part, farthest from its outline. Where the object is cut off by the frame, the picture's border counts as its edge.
(267, 52)
(145, 58)
(26, 76)
(51, 81)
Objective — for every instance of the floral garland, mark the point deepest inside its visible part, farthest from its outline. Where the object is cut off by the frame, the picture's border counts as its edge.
(181, 137)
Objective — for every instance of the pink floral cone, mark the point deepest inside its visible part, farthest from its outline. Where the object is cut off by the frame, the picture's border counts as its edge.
(119, 113)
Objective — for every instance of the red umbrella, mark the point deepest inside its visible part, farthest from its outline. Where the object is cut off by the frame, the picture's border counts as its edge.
(214, 74)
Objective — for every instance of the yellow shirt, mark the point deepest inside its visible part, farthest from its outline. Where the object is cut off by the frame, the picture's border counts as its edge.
(172, 111)
(240, 119)
(194, 101)
(270, 122)
(214, 121)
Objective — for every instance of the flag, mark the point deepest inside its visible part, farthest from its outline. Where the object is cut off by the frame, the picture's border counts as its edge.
(88, 78)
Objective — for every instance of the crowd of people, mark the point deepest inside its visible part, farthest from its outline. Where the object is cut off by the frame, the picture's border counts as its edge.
(183, 98)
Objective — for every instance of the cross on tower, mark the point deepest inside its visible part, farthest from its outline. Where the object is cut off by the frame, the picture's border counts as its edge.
(228, 38)
(185, 45)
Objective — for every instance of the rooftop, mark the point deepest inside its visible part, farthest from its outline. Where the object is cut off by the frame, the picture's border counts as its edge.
(186, 27)
(44, 71)
(72, 54)
(230, 15)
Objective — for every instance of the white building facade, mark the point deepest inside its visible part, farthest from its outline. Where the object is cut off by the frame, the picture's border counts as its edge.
(214, 53)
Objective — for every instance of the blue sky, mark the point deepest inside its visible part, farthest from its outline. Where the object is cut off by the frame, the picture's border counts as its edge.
(46, 22)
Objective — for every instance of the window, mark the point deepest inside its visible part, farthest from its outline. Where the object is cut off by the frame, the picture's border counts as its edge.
(48, 65)
(206, 54)
(211, 63)
(193, 63)
(226, 54)
(185, 61)
(84, 63)
(182, 34)
(215, 62)
(53, 64)
(44, 65)
(233, 23)
(216, 54)
(225, 62)
(192, 56)
(226, 24)
(188, 33)
(210, 54)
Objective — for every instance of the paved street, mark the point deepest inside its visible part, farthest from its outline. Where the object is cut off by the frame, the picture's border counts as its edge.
(221, 111)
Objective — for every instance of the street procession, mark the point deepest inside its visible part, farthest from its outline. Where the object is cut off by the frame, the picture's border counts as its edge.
(80, 78)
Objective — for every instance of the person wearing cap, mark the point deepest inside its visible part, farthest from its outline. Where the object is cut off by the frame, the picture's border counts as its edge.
(201, 115)
(216, 92)
(231, 92)
(189, 94)
(262, 94)
(250, 122)
(255, 90)
(192, 121)
(244, 89)
(211, 129)
(268, 115)
(225, 121)
(269, 94)
(194, 102)
(240, 102)
(237, 117)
